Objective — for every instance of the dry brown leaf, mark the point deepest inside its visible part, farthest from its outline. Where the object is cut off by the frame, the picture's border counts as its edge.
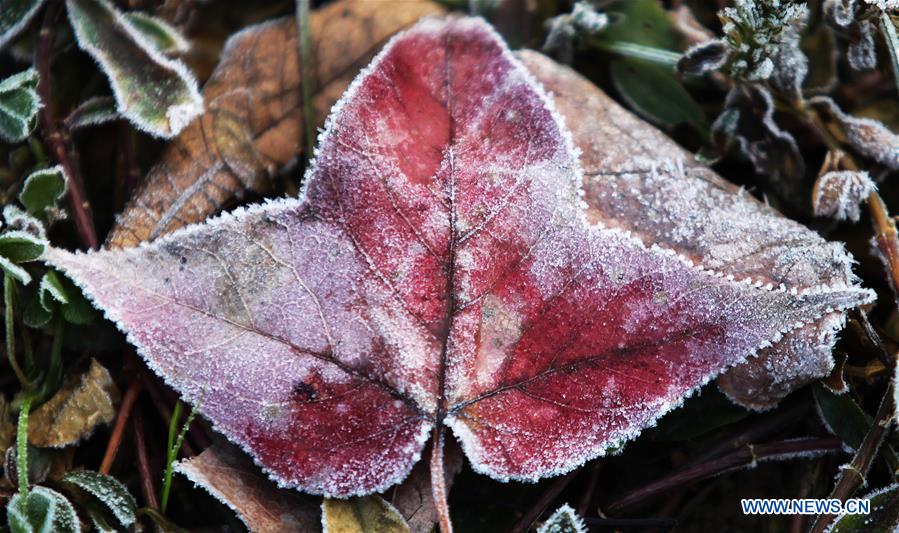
(413, 497)
(83, 403)
(632, 173)
(231, 477)
(253, 121)
(362, 514)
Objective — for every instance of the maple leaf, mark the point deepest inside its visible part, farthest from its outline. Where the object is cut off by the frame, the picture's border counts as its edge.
(438, 271)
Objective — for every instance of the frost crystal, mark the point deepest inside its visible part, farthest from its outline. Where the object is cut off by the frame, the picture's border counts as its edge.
(883, 5)
(867, 136)
(839, 194)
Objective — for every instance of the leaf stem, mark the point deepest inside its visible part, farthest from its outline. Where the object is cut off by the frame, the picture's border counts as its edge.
(8, 303)
(306, 74)
(22, 444)
(84, 223)
(438, 481)
(143, 461)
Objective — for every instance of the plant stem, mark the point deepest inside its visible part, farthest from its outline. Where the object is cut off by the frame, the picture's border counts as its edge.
(54, 372)
(22, 444)
(885, 238)
(8, 303)
(84, 224)
(853, 475)
(438, 481)
(143, 461)
(307, 79)
(747, 456)
(174, 446)
(112, 447)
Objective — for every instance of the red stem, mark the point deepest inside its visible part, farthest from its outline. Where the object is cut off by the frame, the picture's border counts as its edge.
(118, 430)
(438, 482)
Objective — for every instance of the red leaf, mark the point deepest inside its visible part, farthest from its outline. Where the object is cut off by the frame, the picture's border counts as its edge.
(439, 271)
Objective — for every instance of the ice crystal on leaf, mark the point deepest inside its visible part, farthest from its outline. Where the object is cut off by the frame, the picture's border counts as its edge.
(838, 194)
(438, 271)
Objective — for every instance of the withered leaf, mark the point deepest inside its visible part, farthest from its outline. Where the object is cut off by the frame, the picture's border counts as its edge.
(362, 514)
(82, 404)
(253, 119)
(228, 475)
(439, 271)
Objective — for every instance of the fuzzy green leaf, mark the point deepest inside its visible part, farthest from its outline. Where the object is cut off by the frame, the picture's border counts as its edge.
(42, 192)
(842, 416)
(159, 33)
(564, 520)
(19, 104)
(108, 491)
(157, 94)
(884, 515)
(93, 112)
(59, 293)
(15, 16)
(19, 246)
(42, 510)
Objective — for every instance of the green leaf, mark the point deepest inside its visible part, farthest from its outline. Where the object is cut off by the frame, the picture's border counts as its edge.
(108, 491)
(18, 273)
(42, 191)
(641, 22)
(564, 520)
(656, 94)
(159, 33)
(93, 112)
(841, 415)
(20, 246)
(19, 103)
(59, 293)
(884, 515)
(157, 94)
(700, 414)
(15, 16)
(41, 510)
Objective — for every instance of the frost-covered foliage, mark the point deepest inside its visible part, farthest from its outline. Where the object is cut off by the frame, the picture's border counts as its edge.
(159, 33)
(108, 491)
(157, 94)
(866, 136)
(883, 5)
(563, 520)
(439, 271)
(838, 194)
(41, 510)
(19, 103)
(14, 16)
(564, 30)
(763, 36)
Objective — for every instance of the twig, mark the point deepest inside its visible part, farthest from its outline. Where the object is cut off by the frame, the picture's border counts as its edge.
(885, 238)
(143, 461)
(84, 224)
(853, 475)
(540, 505)
(118, 430)
(747, 456)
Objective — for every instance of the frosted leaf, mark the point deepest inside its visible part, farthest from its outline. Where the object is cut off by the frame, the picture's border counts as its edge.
(41, 510)
(884, 515)
(562, 30)
(108, 491)
(654, 189)
(159, 33)
(42, 191)
(19, 104)
(840, 12)
(563, 520)
(883, 5)
(839, 194)
(157, 94)
(231, 477)
(862, 54)
(362, 513)
(704, 57)
(15, 16)
(93, 112)
(868, 137)
(438, 270)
